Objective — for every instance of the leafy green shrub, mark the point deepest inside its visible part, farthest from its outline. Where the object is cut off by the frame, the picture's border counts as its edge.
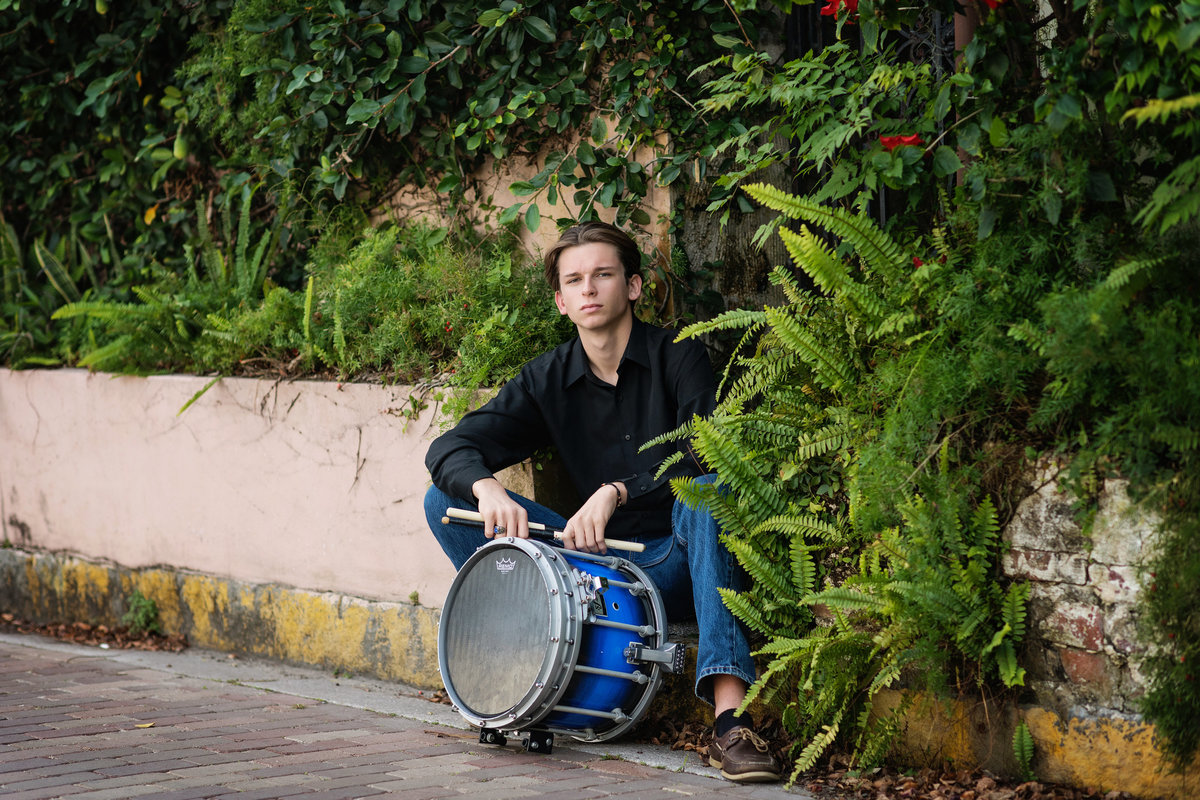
(94, 139)
(163, 329)
(1030, 313)
(825, 508)
(371, 94)
(141, 615)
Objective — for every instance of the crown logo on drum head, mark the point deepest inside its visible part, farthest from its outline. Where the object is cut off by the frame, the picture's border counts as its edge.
(505, 565)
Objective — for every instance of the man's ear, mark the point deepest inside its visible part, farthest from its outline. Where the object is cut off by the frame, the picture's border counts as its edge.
(558, 301)
(635, 288)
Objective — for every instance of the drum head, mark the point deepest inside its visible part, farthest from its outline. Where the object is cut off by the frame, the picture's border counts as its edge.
(495, 632)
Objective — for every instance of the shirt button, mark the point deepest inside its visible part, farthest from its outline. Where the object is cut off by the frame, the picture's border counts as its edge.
(627, 437)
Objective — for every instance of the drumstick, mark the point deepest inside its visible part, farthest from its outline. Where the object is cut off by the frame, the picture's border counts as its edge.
(537, 527)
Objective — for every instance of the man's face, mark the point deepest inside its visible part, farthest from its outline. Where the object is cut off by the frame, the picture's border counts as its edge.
(592, 289)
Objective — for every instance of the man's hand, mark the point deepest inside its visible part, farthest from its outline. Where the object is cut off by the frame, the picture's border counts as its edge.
(502, 516)
(585, 530)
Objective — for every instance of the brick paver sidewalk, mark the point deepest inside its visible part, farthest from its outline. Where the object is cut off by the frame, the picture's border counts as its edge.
(83, 723)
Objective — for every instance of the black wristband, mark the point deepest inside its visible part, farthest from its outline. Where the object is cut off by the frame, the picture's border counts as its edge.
(618, 491)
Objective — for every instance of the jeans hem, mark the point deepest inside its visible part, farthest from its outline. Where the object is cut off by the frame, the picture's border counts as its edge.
(708, 672)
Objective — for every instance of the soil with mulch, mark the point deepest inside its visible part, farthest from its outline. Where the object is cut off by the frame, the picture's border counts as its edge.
(118, 638)
(833, 779)
(836, 780)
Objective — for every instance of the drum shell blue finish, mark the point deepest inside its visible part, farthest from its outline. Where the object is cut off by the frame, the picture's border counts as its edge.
(603, 648)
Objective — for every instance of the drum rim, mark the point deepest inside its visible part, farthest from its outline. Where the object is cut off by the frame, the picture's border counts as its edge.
(560, 658)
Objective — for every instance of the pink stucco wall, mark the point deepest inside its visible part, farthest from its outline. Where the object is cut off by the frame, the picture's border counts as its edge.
(308, 484)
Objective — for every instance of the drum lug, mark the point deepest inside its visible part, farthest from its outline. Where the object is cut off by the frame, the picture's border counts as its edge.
(488, 736)
(538, 742)
(670, 656)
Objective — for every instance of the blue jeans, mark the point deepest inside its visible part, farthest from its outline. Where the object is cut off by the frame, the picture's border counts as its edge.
(687, 567)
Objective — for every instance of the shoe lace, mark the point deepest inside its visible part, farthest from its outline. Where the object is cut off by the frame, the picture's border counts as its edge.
(750, 736)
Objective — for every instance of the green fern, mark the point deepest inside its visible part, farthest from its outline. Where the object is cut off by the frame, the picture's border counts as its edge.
(1023, 748)
(879, 251)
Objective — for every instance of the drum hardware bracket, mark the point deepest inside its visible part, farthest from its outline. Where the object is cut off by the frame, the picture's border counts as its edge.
(671, 656)
(489, 736)
(538, 741)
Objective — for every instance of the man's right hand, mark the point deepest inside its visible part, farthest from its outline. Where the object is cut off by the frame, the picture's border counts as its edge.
(502, 516)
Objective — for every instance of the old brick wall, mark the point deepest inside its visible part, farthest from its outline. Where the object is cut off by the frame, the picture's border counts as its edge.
(1083, 652)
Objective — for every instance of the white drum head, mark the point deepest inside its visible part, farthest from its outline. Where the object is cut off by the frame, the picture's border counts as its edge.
(496, 632)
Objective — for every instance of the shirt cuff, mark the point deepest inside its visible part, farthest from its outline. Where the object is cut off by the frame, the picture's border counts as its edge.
(638, 484)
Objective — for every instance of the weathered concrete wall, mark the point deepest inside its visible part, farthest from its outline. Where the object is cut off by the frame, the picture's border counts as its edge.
(390, 640)
(305, 484)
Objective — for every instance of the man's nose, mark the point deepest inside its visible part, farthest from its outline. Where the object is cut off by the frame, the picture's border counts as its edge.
(589, 287)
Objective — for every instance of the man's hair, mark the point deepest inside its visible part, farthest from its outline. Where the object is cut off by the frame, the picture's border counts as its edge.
(589, 233)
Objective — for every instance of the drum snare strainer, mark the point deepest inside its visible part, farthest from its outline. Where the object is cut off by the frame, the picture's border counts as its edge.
(542, 640)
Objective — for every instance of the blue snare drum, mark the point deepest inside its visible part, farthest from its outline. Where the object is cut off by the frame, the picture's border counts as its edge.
(534, 637)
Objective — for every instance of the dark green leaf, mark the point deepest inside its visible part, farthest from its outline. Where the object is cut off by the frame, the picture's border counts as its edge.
(491, 17)
(539, 29)
(945, 161)
(413, 64)
(599, 130)
(533, 218)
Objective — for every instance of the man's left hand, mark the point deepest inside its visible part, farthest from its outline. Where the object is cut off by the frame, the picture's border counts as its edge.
(585, 530)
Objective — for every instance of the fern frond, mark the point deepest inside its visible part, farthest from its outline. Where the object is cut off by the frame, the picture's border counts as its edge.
(761, 569)
(802, 526)
(684, 431)
(832, 371)
(888, 673)
(1022, 744)
(849, 599)
(736, 318)
(822, 441)
(1122, 275)
(829, 272)
(878, 250)
(777, 666)
(786, 646)
(114, 351)
(735, 467)
(745, 610)
(1161, 110)
(985, 523)
(816, 747)
(1013, 609)
(804, 566)
(1006, 660)
(1036, 339)
(1176, 437)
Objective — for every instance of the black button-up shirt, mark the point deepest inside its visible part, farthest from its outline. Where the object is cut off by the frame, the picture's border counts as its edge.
(596, 428)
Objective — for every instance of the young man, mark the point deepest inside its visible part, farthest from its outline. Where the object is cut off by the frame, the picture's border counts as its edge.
(597, 399)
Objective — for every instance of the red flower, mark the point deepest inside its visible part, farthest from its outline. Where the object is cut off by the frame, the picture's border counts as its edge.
(890, 143)
(832, 6)
(918, 263)
(993, 3)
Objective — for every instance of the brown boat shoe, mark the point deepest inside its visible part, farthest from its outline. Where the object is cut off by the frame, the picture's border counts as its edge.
(742, 755)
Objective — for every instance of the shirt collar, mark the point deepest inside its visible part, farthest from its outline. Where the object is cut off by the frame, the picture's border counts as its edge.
(635, 350)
